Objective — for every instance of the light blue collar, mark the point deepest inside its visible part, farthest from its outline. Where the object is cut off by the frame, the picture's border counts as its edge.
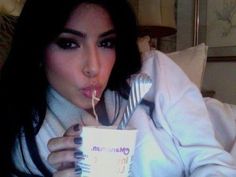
(66, 112)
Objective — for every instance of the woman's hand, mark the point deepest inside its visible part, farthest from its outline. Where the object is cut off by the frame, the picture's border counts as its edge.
(64, 152)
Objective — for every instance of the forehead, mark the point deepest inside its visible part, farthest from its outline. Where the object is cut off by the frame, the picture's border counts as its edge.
(88, 13)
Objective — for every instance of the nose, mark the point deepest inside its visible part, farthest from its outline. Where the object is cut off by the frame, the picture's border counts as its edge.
(91, 67)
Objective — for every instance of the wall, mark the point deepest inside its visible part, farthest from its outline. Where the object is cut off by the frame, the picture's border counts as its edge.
(219, 76)
(185, 16)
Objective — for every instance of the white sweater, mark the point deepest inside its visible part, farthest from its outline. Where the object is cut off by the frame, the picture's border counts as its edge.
(177, 140)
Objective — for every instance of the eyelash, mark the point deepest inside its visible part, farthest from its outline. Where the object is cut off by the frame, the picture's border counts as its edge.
(67, 43)
(107, 43)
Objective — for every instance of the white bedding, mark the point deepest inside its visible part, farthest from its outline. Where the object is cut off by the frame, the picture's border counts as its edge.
(223, 116)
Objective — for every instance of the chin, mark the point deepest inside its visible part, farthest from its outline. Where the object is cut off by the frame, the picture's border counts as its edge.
(83, 103)
(84, 106)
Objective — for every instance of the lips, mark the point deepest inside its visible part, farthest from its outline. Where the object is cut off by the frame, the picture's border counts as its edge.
(88, 91)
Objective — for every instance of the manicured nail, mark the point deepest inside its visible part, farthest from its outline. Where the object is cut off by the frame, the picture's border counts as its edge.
(78, 140)
(76, 127)
(78, 154)
(78, 170)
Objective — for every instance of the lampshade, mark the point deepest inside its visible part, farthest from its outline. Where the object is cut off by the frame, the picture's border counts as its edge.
(156, 17)
(11, 7)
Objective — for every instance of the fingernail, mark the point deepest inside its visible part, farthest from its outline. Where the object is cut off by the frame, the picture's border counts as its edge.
(78, 170)
(78, 154)
(78, 140)
(76, 127)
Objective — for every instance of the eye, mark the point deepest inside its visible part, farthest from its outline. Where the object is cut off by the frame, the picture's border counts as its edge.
(65, 43)
(107, 43)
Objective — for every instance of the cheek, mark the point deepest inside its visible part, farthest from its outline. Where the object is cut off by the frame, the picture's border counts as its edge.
(55, 66)
(51, 65)
(109, 64)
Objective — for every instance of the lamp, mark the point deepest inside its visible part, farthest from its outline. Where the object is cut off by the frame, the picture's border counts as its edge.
(156, 17)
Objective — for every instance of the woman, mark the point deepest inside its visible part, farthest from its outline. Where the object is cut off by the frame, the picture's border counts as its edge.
(63, 52)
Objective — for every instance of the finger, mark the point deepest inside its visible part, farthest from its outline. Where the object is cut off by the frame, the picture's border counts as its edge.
(60, 143)
(58, 157)
(90, 121)
(74, 130)
(71, 172)
(64, 165)
(61, 156)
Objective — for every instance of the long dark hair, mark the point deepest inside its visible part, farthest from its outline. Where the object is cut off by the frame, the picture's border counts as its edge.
(23, 83)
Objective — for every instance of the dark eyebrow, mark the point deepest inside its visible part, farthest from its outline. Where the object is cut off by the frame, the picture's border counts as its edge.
(107, 33)
(80, 34)
(77, 33)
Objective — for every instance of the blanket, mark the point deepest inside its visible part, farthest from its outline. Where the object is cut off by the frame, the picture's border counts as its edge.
(223, 117)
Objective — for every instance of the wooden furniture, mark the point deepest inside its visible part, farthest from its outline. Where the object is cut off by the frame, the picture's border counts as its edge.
(208, 93)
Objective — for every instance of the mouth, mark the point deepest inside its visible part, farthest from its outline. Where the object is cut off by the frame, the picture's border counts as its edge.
(91, 91)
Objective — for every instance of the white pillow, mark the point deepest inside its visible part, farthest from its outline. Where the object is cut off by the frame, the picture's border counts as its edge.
(192, 61)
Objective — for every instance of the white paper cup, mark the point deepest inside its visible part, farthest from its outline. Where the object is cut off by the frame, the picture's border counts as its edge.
(107, 151)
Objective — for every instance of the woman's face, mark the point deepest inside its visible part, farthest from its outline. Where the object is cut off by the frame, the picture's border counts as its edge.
(80, 60)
